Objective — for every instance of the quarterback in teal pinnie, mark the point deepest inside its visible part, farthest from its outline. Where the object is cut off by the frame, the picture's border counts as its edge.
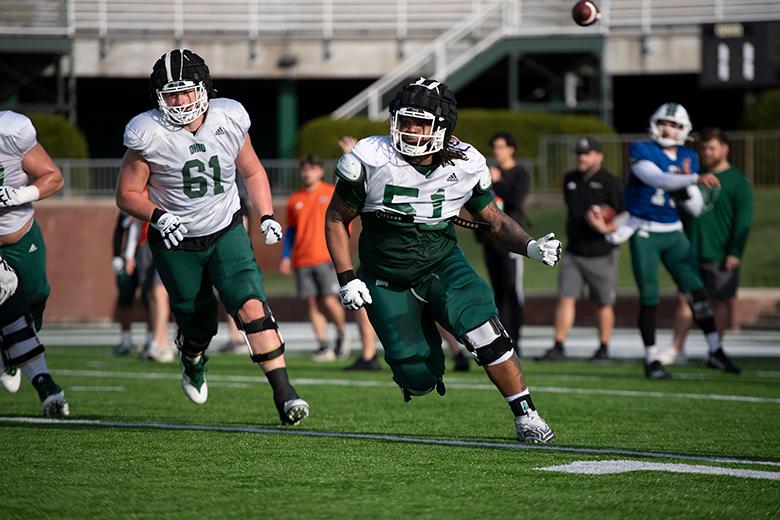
(408, 189)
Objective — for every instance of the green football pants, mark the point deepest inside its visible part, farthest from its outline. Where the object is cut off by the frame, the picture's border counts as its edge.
(404, 318)
(673, 249)
(28, 258)
(189, 276)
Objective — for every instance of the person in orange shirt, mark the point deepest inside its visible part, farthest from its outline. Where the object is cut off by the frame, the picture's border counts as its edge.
(306, 254)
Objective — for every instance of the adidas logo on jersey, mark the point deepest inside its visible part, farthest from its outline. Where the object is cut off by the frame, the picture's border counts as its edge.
(452, 177)
(32, 249)
(220, 131)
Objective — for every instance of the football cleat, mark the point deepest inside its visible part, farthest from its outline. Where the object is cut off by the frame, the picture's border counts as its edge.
(364, 364)
(53, 403)
(294, 411)
(10, 378)
(552, 354)
(55, 406)
(656, 370)
(233, 347)
(193, 378)
(461, 363)
(601, 354)
(533, 429)
(123, 348)
(159, 353)
(342, 346)
(721, 361)
(324, 353)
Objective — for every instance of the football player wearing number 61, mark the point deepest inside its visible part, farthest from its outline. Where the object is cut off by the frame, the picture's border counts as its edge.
(186, 153)
(408, 188)
(664, 174)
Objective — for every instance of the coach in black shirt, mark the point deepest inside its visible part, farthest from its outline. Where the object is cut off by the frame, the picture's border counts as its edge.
(589, 257)
(510, 185)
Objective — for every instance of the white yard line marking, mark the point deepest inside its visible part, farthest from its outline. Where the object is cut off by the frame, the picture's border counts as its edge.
(610, 467)
(96, 388)
(466, 386)
(376, 437)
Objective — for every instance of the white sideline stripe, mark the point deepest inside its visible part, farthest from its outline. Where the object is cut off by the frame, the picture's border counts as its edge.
(610, 467)
(96, 389)
(377, 437)
(466, 386)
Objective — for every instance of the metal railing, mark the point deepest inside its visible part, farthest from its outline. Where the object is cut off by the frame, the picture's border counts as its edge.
(329, 19)
(757, 154)
(455, 48)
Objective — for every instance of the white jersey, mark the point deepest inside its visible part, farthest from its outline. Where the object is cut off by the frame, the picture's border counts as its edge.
(17, 137)
(395, 186)
(193, 175)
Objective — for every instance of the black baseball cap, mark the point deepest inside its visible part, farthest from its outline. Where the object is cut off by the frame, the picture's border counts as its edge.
(588, 144)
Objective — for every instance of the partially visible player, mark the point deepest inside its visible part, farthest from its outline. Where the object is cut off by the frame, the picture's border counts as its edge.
(27, 174)
(660, 168)
(187, 152)
(408, 189)
(125, 243)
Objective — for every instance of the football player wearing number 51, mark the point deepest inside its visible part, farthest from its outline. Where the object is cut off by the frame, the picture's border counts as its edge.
(408, 188)
(187, 152)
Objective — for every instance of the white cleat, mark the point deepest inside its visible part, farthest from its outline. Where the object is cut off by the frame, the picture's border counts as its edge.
(11, 379)
(533, 429)
(55, 406)
(193, 378)
(294, 411)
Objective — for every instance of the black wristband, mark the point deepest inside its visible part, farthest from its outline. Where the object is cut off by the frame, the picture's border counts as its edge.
(346, 277)
(156, 214)
(266, 217)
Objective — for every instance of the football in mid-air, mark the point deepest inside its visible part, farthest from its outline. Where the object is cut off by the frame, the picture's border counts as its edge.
(585, 13)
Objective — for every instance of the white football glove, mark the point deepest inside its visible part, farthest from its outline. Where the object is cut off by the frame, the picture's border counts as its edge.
(118, 263)
(546, 250)
(271, 229)
(10, 196)
(354, 294)
(171, 228)
(8, 281)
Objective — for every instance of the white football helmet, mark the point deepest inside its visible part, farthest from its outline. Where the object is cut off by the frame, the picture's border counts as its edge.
(181, 70)
(675, 113)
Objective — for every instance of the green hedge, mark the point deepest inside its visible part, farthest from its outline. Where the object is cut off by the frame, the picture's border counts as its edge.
(59, 137)
(475, 126)
(764, 114)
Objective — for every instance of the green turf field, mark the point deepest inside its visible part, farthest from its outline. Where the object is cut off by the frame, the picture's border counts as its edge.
(136, 447)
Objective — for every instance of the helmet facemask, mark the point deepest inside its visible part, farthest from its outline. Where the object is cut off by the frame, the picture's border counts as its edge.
(187, 113)
(181, 70)
(412, 144)
(676, 114)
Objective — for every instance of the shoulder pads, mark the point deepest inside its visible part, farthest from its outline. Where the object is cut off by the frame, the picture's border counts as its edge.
(485, 181)
(349, 168)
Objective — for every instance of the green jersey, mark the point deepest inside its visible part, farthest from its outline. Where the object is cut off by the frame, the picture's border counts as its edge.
(406, 250)
(723, 226)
